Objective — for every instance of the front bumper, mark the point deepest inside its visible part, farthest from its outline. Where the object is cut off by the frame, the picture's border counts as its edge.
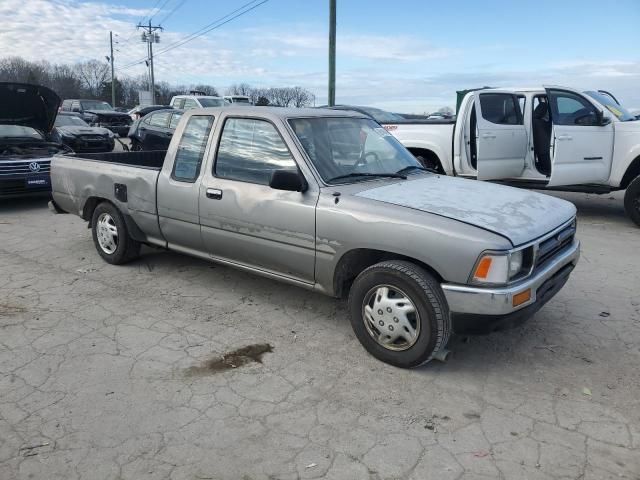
(480, 310)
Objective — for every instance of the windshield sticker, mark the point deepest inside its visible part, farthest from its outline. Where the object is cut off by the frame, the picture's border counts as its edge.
(614, 110)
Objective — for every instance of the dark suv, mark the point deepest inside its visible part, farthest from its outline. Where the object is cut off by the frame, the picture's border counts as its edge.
(99, 114)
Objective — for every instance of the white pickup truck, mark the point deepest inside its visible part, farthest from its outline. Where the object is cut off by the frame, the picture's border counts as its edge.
(553, 138)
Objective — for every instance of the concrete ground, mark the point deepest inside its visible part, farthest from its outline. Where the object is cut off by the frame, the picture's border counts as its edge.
(111, 372)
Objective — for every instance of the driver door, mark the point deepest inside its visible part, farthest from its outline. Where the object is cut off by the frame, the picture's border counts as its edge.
(582, 145)
(501, 138)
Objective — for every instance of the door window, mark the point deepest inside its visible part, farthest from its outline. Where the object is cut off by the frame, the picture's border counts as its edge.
(177, 103)
(159, 119)
(250, 150)
(568, 108)
(500, 108)
(193, 143)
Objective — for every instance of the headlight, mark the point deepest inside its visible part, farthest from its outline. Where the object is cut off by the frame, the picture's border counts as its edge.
(500, 268)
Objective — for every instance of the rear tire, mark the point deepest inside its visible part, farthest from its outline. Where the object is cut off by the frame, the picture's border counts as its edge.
(399, 313)
(111, 236)
(632, 200)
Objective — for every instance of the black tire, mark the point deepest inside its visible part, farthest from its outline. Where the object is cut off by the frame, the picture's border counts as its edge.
(125, 248)
(632, 200)
(423, 290)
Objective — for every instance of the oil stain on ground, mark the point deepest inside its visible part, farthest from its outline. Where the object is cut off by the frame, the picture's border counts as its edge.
(228, 361)
(7, 309)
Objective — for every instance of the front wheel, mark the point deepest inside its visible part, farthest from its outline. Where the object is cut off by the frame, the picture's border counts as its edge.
(399, 313)
(111, 236)
(632, 200)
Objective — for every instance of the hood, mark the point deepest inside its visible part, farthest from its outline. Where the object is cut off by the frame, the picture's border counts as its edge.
(28, 105)
(519, 215)
(107, 113)
(74, 130)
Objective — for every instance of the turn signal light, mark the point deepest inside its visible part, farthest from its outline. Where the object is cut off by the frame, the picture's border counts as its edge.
(482, 271)
(522, 297)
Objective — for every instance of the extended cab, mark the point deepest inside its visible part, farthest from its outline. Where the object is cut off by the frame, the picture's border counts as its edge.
(331, 201)
(554, 138)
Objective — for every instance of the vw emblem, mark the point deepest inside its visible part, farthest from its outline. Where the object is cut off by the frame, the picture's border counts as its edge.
(34, 166)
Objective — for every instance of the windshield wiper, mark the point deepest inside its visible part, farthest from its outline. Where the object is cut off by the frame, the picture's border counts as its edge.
(416, 167)
(380, 175)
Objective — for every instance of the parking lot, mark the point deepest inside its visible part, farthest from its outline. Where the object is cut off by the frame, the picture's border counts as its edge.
(114, 372)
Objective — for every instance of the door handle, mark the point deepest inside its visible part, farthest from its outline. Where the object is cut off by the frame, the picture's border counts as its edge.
(564, 137)
(214, 193)
(488, 135)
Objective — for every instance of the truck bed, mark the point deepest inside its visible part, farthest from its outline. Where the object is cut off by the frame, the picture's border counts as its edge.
(147, 159)
(126, 179)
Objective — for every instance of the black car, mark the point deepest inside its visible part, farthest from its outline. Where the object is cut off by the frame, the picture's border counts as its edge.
(27, 113)
(74, 132)
(99, 114)
(140, 111)
(154, 131)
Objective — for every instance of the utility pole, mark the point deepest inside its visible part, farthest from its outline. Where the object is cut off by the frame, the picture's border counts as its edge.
(332, 53)
(150, 36)
(113, 83)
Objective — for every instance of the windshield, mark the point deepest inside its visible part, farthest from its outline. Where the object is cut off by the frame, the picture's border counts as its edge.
(19, 131)
(240, 100)
(70, 121)
(609, 103)
(211, 102)
(351, 146)
(95, 105)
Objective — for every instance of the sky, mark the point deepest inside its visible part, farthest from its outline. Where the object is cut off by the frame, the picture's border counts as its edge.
(406, 56)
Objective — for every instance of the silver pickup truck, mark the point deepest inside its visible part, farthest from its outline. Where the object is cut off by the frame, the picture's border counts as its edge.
(329, 201)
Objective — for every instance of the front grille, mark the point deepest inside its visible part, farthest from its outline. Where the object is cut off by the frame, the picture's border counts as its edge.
(21, 167)
(92, 138)
(548, 248)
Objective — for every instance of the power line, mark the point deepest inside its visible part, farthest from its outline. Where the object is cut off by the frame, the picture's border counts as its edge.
(206, 29)
(159, 9)
(177, 6)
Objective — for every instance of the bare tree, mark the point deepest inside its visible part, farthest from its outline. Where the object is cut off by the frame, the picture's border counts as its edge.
(206, 89)
(302, 97)
(92, 74)
(240, 89)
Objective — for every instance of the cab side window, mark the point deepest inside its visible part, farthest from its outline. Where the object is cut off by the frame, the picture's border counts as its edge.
(190, 103)
(250, 150)
(501, 108)
(193, 143)
(568, 108)
(178, 103)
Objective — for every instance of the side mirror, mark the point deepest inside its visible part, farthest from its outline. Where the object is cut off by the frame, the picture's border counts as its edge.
(602, 120)
(288, 180)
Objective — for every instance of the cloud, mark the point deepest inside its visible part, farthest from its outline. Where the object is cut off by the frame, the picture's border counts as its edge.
(401, 72)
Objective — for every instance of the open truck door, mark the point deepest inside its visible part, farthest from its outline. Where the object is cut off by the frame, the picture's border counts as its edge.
(581, 140)
(501, 138)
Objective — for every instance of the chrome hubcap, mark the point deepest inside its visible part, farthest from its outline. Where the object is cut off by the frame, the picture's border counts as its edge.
(107, 233)
(391, 318)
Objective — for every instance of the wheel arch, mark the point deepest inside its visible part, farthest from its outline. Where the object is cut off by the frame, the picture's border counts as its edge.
(633, 171)
(92, 203)
(354, 261)
(429, 154)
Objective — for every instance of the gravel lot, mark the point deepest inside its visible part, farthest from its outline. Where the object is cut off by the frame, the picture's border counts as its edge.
(110, 372)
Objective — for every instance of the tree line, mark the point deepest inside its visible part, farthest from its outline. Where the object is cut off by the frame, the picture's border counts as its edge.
(92, 79)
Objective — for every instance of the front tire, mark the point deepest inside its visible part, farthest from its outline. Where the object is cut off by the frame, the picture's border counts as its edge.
(111, 236)
(399, 313)
(632, 200)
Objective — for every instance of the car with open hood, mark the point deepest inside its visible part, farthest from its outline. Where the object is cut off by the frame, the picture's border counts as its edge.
(98, 113)
(27, 114)
(71, 130)
(328, 200)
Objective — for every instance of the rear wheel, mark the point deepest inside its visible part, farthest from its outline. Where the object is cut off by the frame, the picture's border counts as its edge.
(632, 200)
(111, 236)
(399, 313)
